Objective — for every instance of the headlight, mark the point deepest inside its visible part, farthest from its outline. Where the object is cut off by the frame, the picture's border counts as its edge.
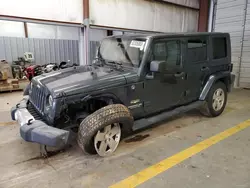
(50, 100)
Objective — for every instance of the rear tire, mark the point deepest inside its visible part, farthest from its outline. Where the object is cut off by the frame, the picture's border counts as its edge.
(115, 116)
(216, 100)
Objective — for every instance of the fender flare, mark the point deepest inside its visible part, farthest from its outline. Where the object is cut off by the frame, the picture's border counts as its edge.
(101, 96)
(212, 79)
(110, 98)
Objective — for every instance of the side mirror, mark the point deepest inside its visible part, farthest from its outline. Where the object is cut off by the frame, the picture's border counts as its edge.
(157, 66)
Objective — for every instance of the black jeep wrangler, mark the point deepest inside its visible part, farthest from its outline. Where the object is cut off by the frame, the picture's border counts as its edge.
(135, 81)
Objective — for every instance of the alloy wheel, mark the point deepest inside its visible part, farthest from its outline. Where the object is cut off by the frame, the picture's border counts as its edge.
(107, 139)
(218, 99)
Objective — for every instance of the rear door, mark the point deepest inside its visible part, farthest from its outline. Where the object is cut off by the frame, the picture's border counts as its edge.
(195, 64)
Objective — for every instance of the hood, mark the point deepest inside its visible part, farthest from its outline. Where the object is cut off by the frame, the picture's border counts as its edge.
(81, 79)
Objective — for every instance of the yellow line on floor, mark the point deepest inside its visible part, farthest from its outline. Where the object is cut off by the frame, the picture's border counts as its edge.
(165, 164)
(7, 123)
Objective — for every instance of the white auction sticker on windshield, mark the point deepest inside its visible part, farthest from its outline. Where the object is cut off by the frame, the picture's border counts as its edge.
(137, 44)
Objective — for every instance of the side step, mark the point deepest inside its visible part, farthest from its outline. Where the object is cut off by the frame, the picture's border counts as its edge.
(145, 122)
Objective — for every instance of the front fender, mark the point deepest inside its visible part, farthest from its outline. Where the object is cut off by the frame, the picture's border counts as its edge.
(227, 76)
(103, 96)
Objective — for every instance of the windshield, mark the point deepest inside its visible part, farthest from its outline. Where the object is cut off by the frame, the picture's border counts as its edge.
(126, 51)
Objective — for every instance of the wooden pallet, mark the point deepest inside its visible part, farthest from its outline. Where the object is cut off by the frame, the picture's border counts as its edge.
(13, 85)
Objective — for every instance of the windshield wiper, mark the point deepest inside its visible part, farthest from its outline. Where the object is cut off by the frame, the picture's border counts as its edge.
(115, 64)
(121, 45)
(101, 61)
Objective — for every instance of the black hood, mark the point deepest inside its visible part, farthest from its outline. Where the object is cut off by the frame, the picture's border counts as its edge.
(82, 79)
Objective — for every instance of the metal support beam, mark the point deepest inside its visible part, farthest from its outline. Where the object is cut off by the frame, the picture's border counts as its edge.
(81, 47)
(86, 42)
(203, 16)
(25, 30)
(214, 14)
(86, 31)
(211, 16)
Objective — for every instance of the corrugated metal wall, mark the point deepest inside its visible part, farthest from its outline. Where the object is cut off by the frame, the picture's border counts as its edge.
(245, 60)
(45, 50)
(233, 16)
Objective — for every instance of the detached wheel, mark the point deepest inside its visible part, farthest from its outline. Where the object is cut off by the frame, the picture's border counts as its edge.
(216, 100)
(101, 131)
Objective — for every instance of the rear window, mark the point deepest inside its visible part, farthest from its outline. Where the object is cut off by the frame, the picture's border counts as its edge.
(219, 47)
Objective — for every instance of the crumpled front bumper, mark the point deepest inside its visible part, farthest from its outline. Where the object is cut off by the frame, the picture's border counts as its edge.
(32, 130)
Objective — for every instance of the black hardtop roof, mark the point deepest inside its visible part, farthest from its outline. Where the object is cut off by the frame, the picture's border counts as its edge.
(160, 35)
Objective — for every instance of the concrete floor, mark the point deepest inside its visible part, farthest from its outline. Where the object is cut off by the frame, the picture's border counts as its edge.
(223, 165)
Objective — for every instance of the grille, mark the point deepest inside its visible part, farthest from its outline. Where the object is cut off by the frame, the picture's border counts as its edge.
(34, 112)
(38, 98)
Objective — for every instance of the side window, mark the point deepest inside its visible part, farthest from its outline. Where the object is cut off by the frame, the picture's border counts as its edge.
(173, 53)
(219, 47)
(159, 51)
(168, 51)
(196, 50)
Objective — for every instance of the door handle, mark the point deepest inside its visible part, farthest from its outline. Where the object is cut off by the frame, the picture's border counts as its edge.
(178, 75)
(204, 69)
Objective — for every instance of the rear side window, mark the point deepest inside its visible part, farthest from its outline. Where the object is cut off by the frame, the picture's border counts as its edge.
(219, 47)
(196, 44)
(196, 50)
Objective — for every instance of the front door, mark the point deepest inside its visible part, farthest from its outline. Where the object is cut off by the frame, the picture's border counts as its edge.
(163, 91)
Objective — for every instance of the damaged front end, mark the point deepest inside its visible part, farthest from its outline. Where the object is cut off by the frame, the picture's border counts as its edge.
(34, 130)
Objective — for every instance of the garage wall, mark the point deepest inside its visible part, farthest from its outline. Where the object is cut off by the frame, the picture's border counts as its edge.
(245, 61)
(188, 3)
(59, 10)
(16, 29)
(11, 29)
(44, 50)
(143, 15)
(97, 34)
(52, 31)
(233, 16)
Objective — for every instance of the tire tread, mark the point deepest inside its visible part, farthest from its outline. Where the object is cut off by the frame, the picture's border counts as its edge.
(207, 109)
(114, 113)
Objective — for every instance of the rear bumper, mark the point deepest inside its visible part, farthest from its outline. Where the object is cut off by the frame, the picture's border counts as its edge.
(232, 80)
(32, 130)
